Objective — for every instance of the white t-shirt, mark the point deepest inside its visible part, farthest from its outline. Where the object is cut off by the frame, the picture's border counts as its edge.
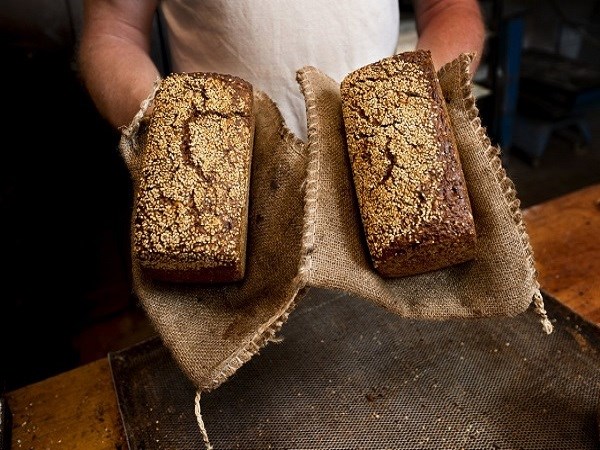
(266, 41)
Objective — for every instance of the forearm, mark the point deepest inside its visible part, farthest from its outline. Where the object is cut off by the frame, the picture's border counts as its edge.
(114, 57)
(118, 78)
(448, 28)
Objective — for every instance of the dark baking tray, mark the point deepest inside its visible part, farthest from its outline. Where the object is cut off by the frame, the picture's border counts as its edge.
(351, 375)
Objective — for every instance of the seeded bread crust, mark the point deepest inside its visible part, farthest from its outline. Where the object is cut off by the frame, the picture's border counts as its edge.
(191, 211)
(407, 175)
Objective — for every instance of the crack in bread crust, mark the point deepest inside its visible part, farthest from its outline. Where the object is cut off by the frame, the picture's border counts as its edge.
(192, 204)
(407, 175)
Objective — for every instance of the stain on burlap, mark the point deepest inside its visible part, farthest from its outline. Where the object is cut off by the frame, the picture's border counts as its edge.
(304, 230)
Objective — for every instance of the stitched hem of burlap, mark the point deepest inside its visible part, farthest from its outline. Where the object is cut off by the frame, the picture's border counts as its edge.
(266, 333)
(509, 191)
(311, 197)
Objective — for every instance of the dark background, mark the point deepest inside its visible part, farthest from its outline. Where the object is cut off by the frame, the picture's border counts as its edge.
(65, 194)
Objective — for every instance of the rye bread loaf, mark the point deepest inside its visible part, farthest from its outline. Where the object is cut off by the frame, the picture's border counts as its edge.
(191, 208)
(407, 174)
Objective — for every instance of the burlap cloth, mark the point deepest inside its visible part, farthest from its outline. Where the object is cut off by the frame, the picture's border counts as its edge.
(304, 231)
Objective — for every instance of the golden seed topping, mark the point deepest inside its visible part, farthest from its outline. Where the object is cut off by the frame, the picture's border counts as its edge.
(397, 136)
(192, 202)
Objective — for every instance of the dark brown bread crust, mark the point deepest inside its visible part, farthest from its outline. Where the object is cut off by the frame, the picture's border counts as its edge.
(409, 183)
(191, 209)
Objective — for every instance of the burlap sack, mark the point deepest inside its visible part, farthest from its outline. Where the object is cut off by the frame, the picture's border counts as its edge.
(501, 280)
(304, 231)
(212, 331)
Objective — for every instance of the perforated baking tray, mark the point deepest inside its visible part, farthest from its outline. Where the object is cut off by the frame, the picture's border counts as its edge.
(351, 375)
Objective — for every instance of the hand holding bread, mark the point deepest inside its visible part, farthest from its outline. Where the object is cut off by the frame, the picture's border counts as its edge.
(192, 206)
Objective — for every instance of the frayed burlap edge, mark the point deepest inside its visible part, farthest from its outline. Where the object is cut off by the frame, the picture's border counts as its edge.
(508, 188)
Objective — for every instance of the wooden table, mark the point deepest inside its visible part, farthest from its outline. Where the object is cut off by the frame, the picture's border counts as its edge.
(565, 236)
(75, 410)
(78, 409)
